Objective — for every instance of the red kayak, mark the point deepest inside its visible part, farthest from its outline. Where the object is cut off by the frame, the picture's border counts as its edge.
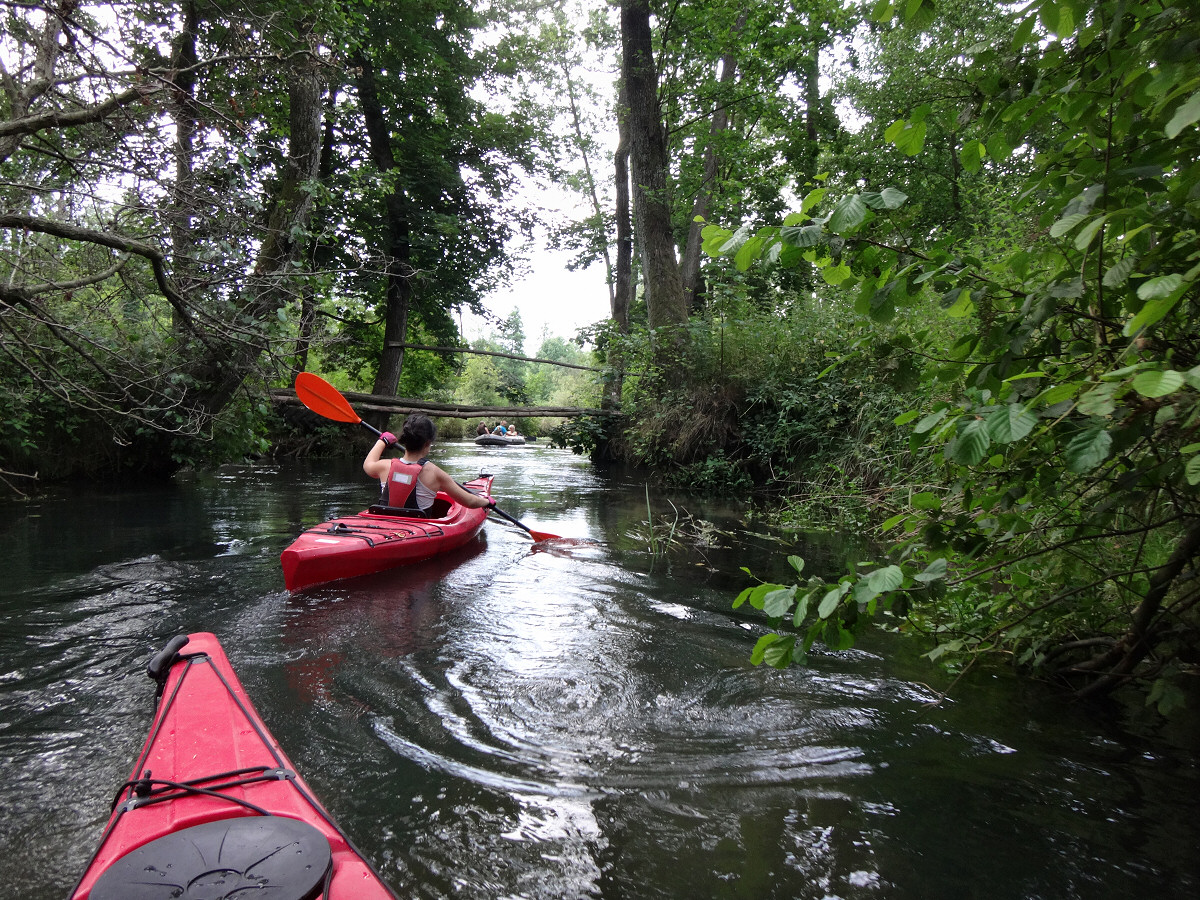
(214, 807)
(380, 538)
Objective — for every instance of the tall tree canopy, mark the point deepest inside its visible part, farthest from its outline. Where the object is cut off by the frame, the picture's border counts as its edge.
(194, 192)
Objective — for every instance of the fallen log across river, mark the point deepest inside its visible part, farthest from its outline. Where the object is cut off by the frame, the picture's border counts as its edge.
(406, 405)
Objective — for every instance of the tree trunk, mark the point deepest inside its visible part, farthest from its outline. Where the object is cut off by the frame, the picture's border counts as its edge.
(622, 295)
(319, 252)
(398, 255)
(272, 285)
(665, 302)
(812, 108)
(701, 205)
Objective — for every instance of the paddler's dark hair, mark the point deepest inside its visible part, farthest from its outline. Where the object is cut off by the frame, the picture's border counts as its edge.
(418, 431)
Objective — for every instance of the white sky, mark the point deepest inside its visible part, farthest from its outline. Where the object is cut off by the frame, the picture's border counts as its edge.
(549, 299)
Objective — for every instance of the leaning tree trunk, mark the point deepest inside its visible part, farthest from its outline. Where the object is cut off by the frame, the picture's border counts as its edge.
(1116, 666)
(665, 302)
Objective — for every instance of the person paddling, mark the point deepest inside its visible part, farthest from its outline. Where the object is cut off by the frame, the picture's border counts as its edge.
(411, 482)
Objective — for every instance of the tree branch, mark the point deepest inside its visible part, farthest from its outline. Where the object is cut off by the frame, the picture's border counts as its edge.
(532, 359)
(115, 242)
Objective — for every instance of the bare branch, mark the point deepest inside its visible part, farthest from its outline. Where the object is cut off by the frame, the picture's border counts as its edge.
(58, 119)
(114, 242)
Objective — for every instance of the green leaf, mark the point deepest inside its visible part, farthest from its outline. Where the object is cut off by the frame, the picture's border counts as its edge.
(1124, 372)
(933, 572)
(970, 445)
(971, 155)
(803, 237)
(1057, 394)
(906, 417)
(942, 649)
(929, 421)
(1088, 233)
(893, 198)
(760, 648)
(812, 198)
(1023, 34)
(1186, 115)
(1192, 470)
(743, 597)
(1066, 19)
(1011, 422)
(1154, 310)
(748, 253)
(1118, 273)
(962, 307)
(796, 563)
(1099, 400)
(1167, 696)
(1088, 449)
(779, 654)
(829, 603)
(759, 593)
(776, 604)
(835, 275)
(1066, 223)
(926, 500)
(802, 608)
(909, 137)
(1156, 383)
(1160, 287)
(850, 212)
(998, 147)
(887, 578)
(888, 198)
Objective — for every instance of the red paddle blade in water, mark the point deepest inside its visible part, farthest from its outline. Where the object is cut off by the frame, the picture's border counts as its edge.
(324, 399)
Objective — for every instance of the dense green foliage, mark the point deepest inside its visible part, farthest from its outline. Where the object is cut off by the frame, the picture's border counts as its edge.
(1064, 522)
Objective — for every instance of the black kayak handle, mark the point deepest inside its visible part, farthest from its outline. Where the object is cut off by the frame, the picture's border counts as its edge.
(165, 658)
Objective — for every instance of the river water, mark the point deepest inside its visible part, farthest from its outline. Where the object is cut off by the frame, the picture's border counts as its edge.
(577, 721)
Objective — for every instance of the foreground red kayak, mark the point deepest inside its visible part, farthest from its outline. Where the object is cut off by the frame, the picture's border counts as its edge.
(375, 540)
(214, 808)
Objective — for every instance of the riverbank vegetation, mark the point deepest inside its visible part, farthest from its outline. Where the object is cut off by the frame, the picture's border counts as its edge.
(924, 270)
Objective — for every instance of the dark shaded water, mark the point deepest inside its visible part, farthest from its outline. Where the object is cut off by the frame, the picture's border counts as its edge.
(578, 722)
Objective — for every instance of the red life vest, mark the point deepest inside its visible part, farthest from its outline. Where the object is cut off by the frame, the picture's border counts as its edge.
(401, 490)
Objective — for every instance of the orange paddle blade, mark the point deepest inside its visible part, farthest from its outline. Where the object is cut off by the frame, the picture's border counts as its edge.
(536, 535)
(324, 399)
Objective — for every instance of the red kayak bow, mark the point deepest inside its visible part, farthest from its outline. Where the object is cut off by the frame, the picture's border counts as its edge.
(214, 807)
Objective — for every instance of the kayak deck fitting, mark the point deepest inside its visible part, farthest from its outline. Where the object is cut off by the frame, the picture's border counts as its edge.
(213, 806)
